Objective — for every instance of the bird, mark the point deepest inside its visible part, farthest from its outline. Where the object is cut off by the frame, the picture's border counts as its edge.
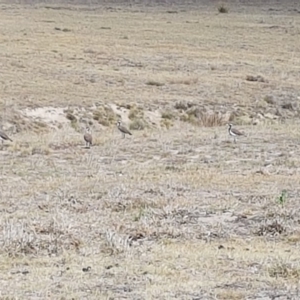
(234, 132)
(88, 138)
(123, 129)
(4, 137)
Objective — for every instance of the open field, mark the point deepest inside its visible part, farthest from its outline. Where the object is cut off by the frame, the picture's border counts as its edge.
(177, 210)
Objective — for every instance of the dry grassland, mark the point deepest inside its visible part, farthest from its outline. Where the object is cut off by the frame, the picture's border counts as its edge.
(176, 211)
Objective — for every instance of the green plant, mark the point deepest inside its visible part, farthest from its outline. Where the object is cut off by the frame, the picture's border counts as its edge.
(282, 198)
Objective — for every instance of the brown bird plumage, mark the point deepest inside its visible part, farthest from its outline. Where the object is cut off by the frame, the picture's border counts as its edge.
(88, 138)
(123, 129)
(234, 132)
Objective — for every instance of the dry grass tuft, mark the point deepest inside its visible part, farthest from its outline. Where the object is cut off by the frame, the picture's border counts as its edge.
(166, 123)
(168, 115)
(104, 115)
(195, 115)
(285, 270)
(211, 119)
(21, 238)
(138, 124)
(272, 229)
(135, 113)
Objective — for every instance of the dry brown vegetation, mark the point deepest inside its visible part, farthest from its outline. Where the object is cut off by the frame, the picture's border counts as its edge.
(175, 211)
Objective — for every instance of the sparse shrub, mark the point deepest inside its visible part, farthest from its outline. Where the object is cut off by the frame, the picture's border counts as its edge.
(20, 238)
(97, 115)
(166, 123)
(271, 229)
(116, 242)
(222, 9)
(137, 124)
(195, 116)
(181, 105)
(284, 270)
(135, 113)
(211, 119)
(184, 117)
(168, 115)
(104, 115)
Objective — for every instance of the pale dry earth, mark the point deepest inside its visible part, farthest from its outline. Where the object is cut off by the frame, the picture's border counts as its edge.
(177, 210)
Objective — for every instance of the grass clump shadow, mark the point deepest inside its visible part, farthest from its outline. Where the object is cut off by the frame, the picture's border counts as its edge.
(222, 9)
(154, 83)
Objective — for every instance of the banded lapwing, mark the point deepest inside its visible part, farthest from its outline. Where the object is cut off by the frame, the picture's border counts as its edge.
(123, 129)
(88, 137)
(234, 132)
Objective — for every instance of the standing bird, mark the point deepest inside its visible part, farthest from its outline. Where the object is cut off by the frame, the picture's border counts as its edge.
(123, 129)
(88, 138)
(4, 137)
(234, 132)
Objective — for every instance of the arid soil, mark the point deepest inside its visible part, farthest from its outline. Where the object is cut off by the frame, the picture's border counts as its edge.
(177, 210)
